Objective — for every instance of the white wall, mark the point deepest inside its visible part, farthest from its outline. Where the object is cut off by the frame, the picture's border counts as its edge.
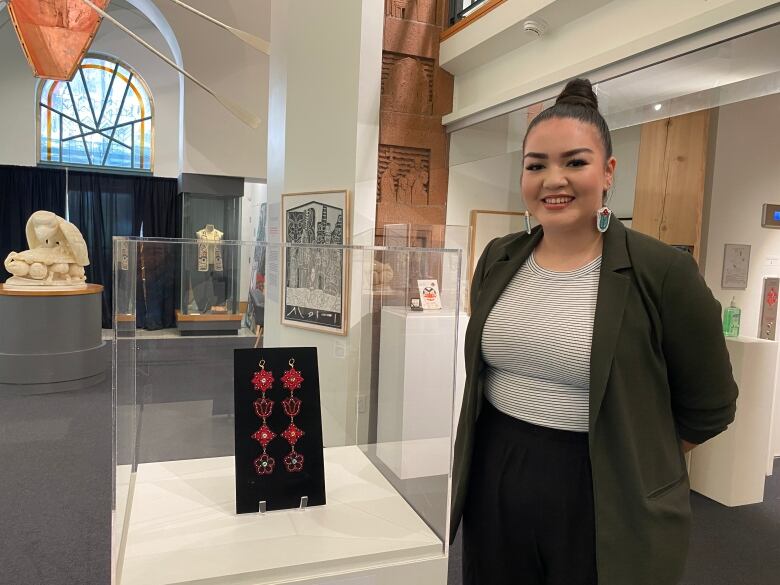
(324, 134)
(625, 148)
(745, 176)
(483, 174)
(17, 96)
(255, 194)
(213, 141)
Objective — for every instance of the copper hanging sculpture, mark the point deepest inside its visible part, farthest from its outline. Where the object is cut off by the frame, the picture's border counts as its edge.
(55, 34)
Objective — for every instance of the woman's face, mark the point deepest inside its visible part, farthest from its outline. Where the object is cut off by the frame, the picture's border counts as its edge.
(565, 173)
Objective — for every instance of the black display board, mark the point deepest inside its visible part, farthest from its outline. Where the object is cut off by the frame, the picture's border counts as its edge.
(281, 489)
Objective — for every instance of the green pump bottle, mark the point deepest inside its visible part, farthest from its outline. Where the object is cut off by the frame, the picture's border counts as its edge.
(731, 316)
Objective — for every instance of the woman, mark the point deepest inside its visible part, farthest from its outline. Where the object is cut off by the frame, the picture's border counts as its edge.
(594, 359)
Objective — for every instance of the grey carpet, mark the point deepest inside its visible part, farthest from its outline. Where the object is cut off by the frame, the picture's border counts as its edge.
(729, 546)
(55, 485)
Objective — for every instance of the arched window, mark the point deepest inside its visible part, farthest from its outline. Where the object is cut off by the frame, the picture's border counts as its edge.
(102, 118)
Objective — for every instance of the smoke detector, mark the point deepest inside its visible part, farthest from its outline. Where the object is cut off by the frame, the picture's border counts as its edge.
(535, 27)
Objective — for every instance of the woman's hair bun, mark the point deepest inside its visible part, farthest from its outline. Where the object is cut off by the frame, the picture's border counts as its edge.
(579, 92)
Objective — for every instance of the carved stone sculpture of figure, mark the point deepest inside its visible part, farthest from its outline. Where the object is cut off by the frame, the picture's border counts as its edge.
(57, 254)
(420, 187)
(387, 182)
(404, 190)
(383, 273)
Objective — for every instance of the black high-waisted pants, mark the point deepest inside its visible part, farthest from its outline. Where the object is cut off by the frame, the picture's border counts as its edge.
(529, 516)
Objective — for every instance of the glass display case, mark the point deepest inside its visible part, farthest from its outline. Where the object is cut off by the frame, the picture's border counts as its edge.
(385, 410)
(210, 269)
(398, 275)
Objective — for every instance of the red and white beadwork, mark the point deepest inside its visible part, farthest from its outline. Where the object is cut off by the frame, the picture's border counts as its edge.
(291, 406)
(264, 465)
(262, 381)
(264, 435)
(263, 407)
(293, 461)
(292, 380)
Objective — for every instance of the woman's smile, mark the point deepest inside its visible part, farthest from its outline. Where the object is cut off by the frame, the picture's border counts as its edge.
(557, 202)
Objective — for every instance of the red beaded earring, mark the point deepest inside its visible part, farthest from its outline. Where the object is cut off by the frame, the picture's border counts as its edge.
(292, 381)
(262, 381)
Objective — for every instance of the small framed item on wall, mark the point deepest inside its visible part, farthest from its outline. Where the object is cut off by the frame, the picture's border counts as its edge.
(736, 265)
(315, 274)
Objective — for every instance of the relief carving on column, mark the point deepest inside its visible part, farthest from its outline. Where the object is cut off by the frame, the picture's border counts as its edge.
(416, 10)
(404, 175)
(407, 83)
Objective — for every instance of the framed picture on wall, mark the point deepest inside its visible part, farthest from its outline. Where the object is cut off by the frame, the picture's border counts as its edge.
(315, 276)
(736, 265)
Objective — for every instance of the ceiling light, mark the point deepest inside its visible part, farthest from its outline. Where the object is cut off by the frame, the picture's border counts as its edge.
(657, 107)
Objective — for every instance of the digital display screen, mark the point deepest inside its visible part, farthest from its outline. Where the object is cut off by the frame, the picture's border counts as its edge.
(777, 215)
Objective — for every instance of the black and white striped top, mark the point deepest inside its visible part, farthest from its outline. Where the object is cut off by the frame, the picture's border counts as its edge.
(536, 344)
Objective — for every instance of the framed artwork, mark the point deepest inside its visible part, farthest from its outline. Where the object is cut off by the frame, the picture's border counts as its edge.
(736, 264)
(315, 278)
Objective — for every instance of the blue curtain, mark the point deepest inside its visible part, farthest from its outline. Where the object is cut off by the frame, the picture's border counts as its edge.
(23, 191)
(156, 211)
(103, 206)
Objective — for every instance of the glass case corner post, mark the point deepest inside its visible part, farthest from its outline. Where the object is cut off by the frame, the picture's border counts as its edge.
(124, 403)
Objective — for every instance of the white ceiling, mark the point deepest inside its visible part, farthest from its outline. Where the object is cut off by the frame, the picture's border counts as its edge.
(737, 60)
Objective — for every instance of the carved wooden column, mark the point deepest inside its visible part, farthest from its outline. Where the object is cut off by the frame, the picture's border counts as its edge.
(416, 93)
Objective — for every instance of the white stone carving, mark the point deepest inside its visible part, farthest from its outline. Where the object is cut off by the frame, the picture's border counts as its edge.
(56, 258)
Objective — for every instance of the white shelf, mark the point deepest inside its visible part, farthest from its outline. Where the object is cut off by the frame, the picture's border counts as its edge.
(183, 527)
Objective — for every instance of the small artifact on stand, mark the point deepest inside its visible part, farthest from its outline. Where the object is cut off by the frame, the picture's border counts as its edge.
(429, 294)
(208, 283)
(383, 273)
(415, 305)
(56, 257)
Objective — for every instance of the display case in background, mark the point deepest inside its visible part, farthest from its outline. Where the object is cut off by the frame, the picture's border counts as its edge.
(385, 519)
(210, 278)
(398, 274)
(405, 333)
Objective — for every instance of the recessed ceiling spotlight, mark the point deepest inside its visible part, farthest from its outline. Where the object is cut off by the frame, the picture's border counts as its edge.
(535, 27)
(657, 107)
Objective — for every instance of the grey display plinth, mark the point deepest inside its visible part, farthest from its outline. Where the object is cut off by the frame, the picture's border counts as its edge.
(50, 337)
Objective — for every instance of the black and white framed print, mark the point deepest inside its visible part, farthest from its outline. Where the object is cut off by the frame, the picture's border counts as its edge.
(315, 270)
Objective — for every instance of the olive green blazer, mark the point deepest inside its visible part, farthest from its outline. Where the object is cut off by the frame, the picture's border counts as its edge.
(659, 372)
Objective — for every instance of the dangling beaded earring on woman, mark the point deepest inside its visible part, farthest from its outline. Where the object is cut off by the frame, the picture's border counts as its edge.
(527, 218)
(603, 215)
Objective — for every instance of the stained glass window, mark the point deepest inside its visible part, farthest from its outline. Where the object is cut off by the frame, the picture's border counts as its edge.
(103, 117)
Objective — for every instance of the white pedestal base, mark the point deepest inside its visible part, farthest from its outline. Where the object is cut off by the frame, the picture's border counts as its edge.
(417, 369)
(183, 529)
(732, 467)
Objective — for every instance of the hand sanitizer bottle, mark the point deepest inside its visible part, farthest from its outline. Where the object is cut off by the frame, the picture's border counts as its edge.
(731, 315)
